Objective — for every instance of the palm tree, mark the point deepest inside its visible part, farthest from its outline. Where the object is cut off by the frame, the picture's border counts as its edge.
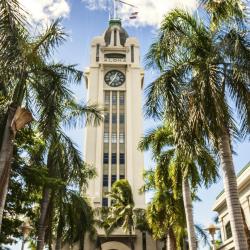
(176, 170)
(29, 77)
(122, 211)
(204, 68)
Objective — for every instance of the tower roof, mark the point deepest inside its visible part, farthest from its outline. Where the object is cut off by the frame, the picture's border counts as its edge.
(122, 32)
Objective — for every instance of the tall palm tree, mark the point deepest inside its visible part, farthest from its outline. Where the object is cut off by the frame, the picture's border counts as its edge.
(177, 171)
(122, 211)
(203, 69)
(30, 78)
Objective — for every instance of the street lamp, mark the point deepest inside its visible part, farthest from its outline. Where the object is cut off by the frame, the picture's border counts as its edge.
(212, 230)
(26, 228)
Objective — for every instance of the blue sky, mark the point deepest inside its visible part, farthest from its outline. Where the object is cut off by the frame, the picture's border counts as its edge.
(82, 24)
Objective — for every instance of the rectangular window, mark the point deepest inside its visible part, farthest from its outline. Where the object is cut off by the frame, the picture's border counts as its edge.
(113, 158)
(115, 37)
(122, 98)
(122, 138)
(122, 158)
(107, 98)
(114, 118)
(105, 202)
(122, 176)
(97, 52)
(105, 182)
(114, 98)
(106, 137)
(113, 179)
(122, 118)
(132, 54)
(114, 138)
(106, 118)
(106, 158)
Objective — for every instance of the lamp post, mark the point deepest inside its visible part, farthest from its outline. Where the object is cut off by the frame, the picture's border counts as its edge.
(26, 228)
(212, 230)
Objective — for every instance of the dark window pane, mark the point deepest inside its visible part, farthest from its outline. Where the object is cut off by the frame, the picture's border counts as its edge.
(97, 52)
(122, 158)
(122, 176)
(132, 53)
(114, 98)
(113, 158)
(115, 38)
(114, 118)
(228, 230)
(105, 202)
(113, 179)
(122, 99)
(106, 119)
(105, 180)
(122, 118)
(105, 158)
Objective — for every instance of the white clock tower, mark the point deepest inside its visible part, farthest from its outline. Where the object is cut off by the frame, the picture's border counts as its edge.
(114, 80)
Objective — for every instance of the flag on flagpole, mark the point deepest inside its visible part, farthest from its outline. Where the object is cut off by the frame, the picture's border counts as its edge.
(133, 15)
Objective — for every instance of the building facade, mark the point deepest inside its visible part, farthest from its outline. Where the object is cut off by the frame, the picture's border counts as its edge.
(114, 80)
(220, 206)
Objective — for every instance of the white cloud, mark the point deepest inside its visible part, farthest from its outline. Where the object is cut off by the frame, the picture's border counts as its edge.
(42, 11)
(150, 11)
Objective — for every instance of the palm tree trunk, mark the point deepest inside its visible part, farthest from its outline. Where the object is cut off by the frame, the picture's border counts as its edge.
(3, 195)
(131, 240)
(81, 243)
(42, 220)
(231, 192)
(59, 233)
(171, 240)
(5, 159)
(189, 213)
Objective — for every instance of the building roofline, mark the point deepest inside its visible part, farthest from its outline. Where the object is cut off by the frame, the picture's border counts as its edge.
(241, 182)
(238, 175)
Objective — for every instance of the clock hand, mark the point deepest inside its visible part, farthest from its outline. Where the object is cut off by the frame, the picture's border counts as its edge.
(113, 78)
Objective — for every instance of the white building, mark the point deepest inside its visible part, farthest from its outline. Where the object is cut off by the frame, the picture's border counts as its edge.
(220, 206)
(114, 79)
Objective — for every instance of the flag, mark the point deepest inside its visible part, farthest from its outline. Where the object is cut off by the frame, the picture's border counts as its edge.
(133, 15)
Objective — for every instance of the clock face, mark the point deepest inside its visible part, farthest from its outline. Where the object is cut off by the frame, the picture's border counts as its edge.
(114, 78)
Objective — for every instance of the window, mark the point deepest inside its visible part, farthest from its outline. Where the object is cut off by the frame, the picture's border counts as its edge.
(114, 98)
(114, 138)
(228, 230)
(106, 137)
(106, 158)
(132, 53)
(122, 176)
(122, 118)
(113, 158)
(97, 52)
(114, 118)
(121, 138)
(122, 158)
(113, 179)
(115, 37)
(105, 202)
(122, 98)
(106, 118)
(107, 97)
(105, 182)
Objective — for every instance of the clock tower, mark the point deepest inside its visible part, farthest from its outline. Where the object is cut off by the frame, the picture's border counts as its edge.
(114, 80)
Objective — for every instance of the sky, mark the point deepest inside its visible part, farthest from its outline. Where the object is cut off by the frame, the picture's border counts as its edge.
(84, 19)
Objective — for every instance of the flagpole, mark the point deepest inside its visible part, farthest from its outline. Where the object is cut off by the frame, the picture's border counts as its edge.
(115, 9)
